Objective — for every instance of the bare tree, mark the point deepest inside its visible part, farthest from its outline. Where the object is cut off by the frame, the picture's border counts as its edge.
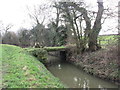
(94, 32)
(37, 13)
(90, 32)
(5, 28)
(72, 13)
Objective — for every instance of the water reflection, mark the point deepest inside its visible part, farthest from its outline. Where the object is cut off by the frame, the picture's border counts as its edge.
(75, 78)
(86, 83)
(59, 66)
(101, 88)
(78, 82)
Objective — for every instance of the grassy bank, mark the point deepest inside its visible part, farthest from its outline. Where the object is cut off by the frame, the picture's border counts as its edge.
(21, 70)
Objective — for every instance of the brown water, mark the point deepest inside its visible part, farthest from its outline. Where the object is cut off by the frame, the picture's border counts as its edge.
(73, 77)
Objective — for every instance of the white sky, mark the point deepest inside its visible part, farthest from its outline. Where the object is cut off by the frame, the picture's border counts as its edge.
(15, 12)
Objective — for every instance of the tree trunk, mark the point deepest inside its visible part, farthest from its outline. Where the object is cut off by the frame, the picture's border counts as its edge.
(93, 34)
(93, 45)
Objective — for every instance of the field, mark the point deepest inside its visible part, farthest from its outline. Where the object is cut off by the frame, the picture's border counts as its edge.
(21, 70)
(105, 40)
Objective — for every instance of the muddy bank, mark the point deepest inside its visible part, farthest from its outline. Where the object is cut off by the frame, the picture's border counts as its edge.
(102, 63)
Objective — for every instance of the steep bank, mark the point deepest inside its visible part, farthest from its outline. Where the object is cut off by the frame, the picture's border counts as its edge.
(21, 70)
(102, 63)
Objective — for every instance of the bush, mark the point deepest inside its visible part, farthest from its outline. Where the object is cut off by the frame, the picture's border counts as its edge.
(40, 53)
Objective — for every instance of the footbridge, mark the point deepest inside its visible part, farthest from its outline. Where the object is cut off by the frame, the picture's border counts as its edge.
(60, 51)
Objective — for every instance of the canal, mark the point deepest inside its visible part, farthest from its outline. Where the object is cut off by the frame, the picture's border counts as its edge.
(73, 77)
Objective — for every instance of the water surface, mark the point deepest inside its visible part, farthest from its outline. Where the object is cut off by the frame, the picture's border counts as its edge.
(76, 78)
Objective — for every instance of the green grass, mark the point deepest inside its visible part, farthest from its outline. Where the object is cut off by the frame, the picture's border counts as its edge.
(108, 39)
(21, 70)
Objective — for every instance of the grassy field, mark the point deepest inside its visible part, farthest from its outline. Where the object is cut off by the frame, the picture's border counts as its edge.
(108, 39)
(21, 70)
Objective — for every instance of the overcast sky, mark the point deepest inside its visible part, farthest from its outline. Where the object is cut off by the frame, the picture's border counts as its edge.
(15, 11)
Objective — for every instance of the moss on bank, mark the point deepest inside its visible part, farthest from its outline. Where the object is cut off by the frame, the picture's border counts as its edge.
(40, 53)
(55, 48)
(21, 70)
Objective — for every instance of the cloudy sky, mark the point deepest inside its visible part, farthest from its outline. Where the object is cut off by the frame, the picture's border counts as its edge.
(15, 12)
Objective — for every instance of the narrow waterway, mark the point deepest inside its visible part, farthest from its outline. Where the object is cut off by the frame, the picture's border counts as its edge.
(73, 77)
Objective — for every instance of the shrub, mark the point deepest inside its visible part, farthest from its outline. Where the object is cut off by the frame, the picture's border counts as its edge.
(40, 53)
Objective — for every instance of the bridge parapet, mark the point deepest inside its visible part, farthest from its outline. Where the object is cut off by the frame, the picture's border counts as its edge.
(62, 48)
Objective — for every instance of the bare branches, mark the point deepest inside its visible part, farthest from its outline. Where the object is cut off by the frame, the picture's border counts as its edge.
(4, 28)
(37, 13)
(9, 26)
